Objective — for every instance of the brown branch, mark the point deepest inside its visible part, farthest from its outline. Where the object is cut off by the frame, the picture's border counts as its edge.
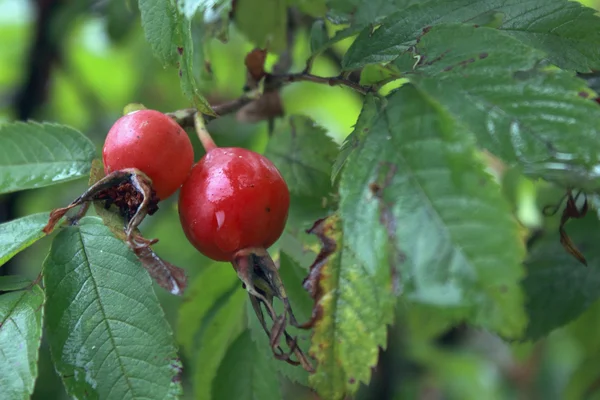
(185, 117)
(331, 81)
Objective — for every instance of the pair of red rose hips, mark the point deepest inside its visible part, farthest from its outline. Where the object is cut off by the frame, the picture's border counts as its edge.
(231, 200)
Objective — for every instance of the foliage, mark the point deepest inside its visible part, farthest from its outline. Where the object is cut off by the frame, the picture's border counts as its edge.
(442, 160)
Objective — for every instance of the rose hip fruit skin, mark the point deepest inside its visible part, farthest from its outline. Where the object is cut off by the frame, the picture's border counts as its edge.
(153, 143)
(233, 199)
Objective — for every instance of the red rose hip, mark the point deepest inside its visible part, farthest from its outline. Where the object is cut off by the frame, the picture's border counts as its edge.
(233, 199)
(153, 143)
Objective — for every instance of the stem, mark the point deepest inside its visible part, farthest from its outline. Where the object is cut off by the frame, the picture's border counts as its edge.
(207, 141)
(331, 81)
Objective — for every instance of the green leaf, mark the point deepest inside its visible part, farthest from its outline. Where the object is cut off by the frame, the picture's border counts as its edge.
(169, 35)
(18, 234)
(363, 124)
(318, 37)
(354, 305)
(373, 74)
(107, 332)
(519, 110)
(209, 321)
(361, 12)
(160, 20)
(418, 186)
(271, 32)
(567, 31)
(557, 281)
(21, 316)
(245, 374)
(304, 154)
(187, 67)
(35, 155)
(292, 275)
(191, 7)
(13, 282)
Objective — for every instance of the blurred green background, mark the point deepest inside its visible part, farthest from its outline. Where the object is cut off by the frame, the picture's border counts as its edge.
(80, 62)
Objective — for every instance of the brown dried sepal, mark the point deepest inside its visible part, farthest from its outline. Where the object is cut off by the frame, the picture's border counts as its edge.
(571, 211)
(131, 192)
(261, 279)
(255, 64)
(322, 229)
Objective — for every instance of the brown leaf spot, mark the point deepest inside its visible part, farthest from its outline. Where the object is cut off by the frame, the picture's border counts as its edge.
(483, 55)
(583, 94)
(180, 50)
(352, 381)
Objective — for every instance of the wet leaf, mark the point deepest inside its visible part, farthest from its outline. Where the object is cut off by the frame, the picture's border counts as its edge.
(34, 155)
(21, 316)
(20, 233)
(107, 332)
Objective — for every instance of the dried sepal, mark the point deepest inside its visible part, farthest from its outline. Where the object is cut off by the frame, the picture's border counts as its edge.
(261, 279)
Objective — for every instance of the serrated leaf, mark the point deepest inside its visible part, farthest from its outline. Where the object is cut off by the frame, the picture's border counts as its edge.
(107, 332)
(34, 155)
(160, 19)
(20, 233)
(245, 374)
(354, 304)
(519, 110)
(292, 275)
(303, 153)
(567, 31)
(361, 12)
(556, 281)
(13, 282)
(188, 66)
(209, 321)
(169, 35)
(363, 124)
(417, 185)
(21, 316)
(271, 32)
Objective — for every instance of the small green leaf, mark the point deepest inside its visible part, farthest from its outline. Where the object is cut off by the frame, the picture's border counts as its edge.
(107, 332)
(567, 31)
(415, 197)
(18, 234)
(34, 155)
(21, 316)
(160, 19)
(519, 110)
(363, 124)
(373, 74)
(557, 281)
(245, 374)
(13, 282)
(209, 320)
(169, 35)
(355, 304)
(318, 36)
(271, 32)
(188, 67)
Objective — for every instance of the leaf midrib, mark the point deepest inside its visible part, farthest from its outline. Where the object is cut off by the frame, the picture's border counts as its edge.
(103, 312)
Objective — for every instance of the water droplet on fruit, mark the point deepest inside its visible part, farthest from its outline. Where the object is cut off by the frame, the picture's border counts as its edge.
(220, 218)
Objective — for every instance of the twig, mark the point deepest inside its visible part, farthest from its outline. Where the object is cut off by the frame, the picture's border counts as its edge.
(331, 81)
